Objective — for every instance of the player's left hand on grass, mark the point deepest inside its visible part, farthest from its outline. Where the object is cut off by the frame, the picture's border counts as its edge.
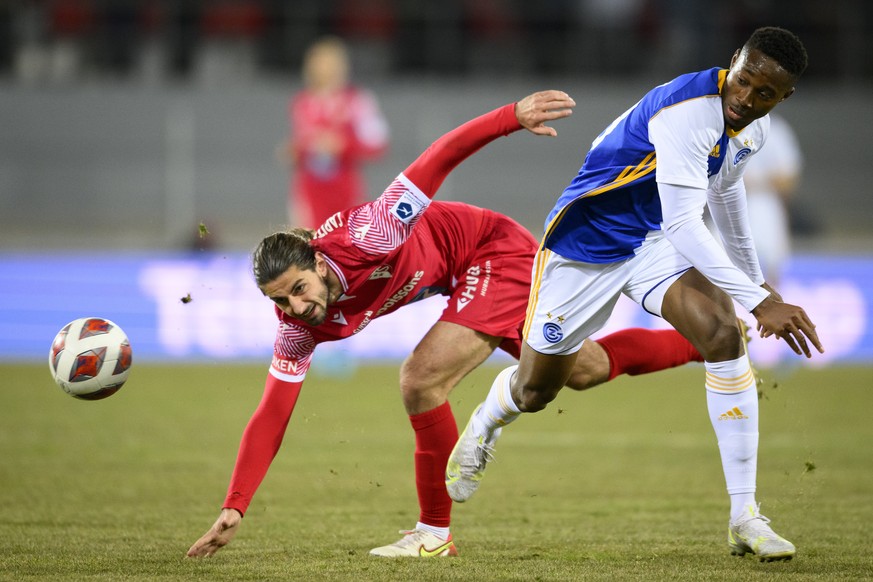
(218, 536)
(535, 110)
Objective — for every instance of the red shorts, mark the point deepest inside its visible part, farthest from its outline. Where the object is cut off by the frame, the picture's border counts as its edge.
(491, 296)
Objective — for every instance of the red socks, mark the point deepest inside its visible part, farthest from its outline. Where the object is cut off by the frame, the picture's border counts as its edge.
(630, 351)
(435, 436)
(637, 350)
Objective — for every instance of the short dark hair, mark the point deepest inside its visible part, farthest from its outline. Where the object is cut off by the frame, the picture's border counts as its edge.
(781, 45)
(279, 251)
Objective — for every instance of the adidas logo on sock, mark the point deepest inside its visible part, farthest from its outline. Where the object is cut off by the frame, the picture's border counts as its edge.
(733, 414)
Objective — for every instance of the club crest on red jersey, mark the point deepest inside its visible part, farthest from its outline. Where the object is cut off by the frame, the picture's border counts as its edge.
(382, 272)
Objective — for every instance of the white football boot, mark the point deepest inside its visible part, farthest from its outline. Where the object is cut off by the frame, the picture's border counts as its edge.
(417, 544)
(751, 534)
(466, 466)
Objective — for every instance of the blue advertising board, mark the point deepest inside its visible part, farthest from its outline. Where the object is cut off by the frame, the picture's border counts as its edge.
(227, 318)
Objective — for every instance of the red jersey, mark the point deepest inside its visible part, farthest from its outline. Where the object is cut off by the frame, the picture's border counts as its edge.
(384, 263)
(390, 252)
(327, 183)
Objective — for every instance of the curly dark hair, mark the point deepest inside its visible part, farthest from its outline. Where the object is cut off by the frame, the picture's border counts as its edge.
(281, 250)
(781, 45)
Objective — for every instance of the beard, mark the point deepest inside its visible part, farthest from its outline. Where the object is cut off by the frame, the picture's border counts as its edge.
(319, 308)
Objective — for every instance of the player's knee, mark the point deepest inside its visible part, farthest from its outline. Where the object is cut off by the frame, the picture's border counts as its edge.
(411, 383)
(532, 401)
(421, 388)
(534, 397)
(722, 342)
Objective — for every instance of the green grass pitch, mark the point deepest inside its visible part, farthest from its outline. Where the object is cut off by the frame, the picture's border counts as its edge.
(620, 483)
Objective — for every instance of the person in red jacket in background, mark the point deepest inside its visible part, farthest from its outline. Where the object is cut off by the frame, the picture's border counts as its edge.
(335, 127)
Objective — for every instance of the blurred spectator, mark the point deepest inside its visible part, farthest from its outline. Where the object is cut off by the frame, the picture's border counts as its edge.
(60, 41)
(772, 176)
(335, 126)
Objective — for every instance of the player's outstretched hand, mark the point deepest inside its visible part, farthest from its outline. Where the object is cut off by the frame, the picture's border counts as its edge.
(535, 110)
(218, 536)
(788, 322)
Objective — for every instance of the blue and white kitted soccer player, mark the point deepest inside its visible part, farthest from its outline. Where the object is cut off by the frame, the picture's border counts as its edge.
(631, 222)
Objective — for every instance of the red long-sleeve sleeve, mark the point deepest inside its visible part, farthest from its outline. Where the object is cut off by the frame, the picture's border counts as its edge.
(430, 168)
(261, 441)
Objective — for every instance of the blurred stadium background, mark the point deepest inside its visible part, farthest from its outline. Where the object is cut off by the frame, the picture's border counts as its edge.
(126, 124)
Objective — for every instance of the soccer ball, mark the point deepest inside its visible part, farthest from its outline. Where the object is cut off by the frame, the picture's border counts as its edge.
(90, 358)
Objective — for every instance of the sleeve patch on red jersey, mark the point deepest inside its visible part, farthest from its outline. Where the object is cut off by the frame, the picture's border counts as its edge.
(409, 206)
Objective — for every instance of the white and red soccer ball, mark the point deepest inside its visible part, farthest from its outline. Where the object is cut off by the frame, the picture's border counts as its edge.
(90, 358)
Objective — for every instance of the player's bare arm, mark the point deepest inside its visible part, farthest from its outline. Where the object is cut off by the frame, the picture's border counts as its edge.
(535, 110)
(218, 536)
(788, 322)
